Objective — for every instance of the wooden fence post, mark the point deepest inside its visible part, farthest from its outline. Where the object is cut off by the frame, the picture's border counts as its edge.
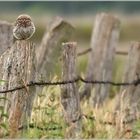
(129, 97)
(6, 36)
(6, 41)
(69, 94)
(103, 43)
(18, 67)
(49, 51)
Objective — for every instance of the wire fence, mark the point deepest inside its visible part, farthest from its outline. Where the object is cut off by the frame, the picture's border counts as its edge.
(86, 51)
(75, 80)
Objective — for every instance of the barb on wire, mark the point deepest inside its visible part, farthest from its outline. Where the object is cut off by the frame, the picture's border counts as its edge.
(79, 78)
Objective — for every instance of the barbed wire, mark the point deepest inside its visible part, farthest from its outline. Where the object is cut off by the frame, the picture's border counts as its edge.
(40, 128)
(86, 51)
(75, 80)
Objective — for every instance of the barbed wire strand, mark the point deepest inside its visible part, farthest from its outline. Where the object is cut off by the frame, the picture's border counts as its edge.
(79, 78)
(86, 51)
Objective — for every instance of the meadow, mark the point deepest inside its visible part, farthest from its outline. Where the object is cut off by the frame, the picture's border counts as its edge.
(47, 118)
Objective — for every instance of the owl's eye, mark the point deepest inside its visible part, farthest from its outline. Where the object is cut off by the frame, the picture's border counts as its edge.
(28, 20)
(19, 20)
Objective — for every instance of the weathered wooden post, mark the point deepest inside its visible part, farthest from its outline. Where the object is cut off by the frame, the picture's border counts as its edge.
(18, 67)
(129, 95)
(6, 41)
(58, 31)
(69, 94)
(6, 36)
(103, 43)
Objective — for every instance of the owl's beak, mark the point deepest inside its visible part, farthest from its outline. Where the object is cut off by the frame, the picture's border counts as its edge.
(24, 23)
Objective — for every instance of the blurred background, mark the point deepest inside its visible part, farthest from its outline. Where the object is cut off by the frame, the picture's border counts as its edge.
(81, 15)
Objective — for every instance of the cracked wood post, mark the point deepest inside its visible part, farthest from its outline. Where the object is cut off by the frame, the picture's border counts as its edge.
(6, 41)
(103, 43)
(49, 51)
(128, 101)
(6, 36)
(69, 93)
(18, 67)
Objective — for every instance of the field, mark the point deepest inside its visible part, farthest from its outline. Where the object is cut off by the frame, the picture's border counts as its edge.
(47, 118)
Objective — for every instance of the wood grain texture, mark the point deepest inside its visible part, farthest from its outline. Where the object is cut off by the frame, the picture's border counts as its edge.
(100, 63)
(18, 68)
(69, 95)
(50, 49)
(6, 36)
(129, 98)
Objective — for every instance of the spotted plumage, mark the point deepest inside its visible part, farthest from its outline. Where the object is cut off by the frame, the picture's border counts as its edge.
(23, 28)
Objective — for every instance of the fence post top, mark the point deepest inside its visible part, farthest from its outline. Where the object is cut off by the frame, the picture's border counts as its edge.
(69, 43)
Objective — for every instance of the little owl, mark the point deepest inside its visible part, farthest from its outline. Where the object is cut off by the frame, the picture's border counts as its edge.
(23, 28)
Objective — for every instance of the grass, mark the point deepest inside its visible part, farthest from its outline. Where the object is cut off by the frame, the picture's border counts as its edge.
(48, 122)
(47, 113)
